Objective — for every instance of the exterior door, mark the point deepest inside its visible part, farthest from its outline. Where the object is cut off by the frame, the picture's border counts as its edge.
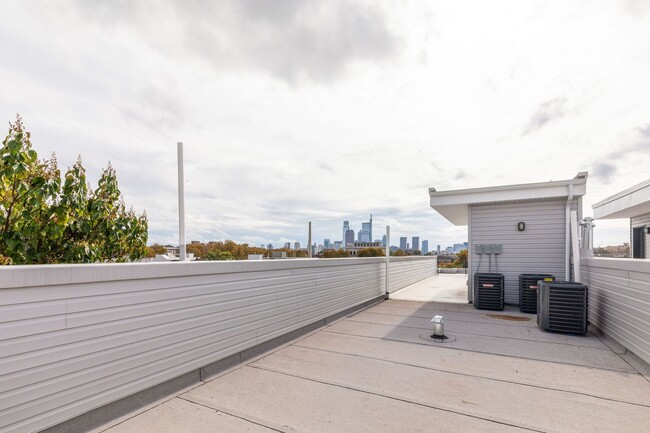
(638, 243)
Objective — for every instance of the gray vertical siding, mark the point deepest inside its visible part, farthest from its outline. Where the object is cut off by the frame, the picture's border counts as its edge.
(538, 249)
(640, 221)
(76, 337)
(619, 300)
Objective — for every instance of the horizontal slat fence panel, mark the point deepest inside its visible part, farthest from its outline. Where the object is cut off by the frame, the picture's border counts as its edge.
(77, 337)
(619, 300)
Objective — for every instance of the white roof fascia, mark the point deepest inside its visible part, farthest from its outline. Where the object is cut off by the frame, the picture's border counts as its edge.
(453, 204)
(632, 202)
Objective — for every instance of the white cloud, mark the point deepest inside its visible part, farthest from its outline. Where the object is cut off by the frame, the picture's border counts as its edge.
(297, 111)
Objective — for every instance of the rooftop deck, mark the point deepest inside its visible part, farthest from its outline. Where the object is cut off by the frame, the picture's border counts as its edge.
(377, 371)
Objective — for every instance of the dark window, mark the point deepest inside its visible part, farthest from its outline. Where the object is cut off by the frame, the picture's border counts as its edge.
(638, 242)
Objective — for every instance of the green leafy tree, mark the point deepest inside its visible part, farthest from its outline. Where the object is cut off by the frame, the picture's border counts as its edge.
(44, 219)
(219, 255)
(398, 253)
(371, 252)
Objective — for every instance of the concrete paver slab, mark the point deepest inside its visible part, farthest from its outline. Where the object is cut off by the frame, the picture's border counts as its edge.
(289, 403)
(181, 416)
(630, 387)
(499, 401)
(469, 315)
(585, 356)
(439, 288)
(497, 329)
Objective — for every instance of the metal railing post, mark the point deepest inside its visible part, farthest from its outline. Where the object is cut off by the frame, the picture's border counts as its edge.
(387, 286)
(181, 205)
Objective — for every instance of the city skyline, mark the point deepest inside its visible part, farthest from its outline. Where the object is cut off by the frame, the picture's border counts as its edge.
(347, 228)
(360, 123)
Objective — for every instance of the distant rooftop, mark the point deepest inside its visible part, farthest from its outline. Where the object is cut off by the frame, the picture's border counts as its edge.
(453, 204)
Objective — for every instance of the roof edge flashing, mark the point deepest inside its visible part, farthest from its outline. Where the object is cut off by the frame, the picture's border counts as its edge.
(580, 179)
(453, 204)
(629, 203)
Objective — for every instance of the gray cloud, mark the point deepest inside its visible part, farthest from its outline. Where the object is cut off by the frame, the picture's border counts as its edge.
(326, 167)
(604, 171)
(645, 134)
(288, 39)
(605, 167)
(155, 107)
(547, 111)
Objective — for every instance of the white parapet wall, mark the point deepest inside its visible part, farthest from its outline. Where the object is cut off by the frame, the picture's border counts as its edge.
(619, 300)
(77, 337)
(405, 271)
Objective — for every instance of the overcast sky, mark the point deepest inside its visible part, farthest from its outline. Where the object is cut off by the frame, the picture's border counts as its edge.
(294, 111)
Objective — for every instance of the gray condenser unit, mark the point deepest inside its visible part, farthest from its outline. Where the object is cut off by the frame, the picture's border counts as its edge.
(562, 306)
(488, 291)
(528, 285)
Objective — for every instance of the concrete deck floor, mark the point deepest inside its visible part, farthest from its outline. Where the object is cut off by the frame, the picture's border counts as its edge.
(377, 371)
(439, 288)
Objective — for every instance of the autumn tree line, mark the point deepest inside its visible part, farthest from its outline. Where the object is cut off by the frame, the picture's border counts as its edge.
(224, 250)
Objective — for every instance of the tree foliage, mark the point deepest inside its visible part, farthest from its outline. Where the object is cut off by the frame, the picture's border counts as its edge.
(47, 219)
(333, 254)
(371, 252)
(156, 249)
(216, 254)
(459, 262)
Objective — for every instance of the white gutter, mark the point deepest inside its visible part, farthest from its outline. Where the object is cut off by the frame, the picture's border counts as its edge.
(567, 241)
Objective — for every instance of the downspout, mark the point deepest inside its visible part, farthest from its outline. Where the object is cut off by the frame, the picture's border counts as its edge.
(567, 241)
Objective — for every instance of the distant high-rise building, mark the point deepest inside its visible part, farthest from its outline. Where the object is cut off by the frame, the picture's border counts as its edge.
(269, 247)
(346, 227)
(326, 243)
(370, 237)
(287, 245)
(425, 247)
(338, 245)
(402, 243)
(383, 241)
(408, 246)
(296, 245)
(438, 250)
(415, 242)
(449, 250)
(364, 233)
(349, 238)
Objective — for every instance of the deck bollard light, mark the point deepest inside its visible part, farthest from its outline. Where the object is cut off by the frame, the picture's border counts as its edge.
(438, 327)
